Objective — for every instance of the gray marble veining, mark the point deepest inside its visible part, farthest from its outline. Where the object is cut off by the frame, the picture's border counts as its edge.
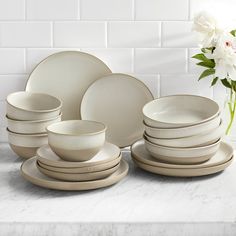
(141, 204)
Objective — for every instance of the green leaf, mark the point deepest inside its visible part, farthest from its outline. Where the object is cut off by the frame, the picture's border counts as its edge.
(208, 64)
(200, 57)
(214, 81)
(206, 73)
(233, 32)
(233, 85)
(226, 83)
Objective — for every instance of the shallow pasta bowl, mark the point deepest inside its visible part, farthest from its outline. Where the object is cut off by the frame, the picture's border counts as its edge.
(179, 111)
(182, 155)
(32, 106)
(171, 133)
(202, 139)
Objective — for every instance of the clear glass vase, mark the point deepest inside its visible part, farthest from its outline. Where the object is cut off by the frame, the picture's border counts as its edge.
(229, 116)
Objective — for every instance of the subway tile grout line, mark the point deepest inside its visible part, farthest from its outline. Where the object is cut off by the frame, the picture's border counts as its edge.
(134, 10)
(189, 10)
(78, 10)
(133, 59)
(25, 10)
(161, 34)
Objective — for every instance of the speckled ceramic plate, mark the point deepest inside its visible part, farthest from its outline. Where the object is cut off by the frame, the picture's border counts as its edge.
(140, 153)
(183, 172)
(108, 153)
(86, 169)
(32, 174)
(78, 177)
(117, 101)
(66, 75)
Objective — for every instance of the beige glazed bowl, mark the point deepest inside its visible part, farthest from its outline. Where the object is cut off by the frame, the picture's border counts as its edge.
(182, 155)
(32, 106)
(179, 111)
(26, 145)
(31, 127)
(76, 140)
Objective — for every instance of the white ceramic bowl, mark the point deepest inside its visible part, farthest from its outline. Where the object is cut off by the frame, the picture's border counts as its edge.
(76, 140)
(31, 127)
(183, 132)
(26, 145)
(32, 106)
(182, 155)
(202, 139)
(179, 111)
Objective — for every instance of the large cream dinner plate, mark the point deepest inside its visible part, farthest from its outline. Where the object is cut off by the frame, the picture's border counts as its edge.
(109, 152)
(66, 75)
(183, 172)
(117, 101)
(140, 153)
(86, 169)
(32, 174)
(78, 176)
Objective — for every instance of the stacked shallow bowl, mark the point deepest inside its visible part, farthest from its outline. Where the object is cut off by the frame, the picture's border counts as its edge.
(77, 157)
(181, 131)
(28, 115)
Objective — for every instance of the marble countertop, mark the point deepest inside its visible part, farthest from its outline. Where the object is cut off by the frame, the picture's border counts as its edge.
(141, 204)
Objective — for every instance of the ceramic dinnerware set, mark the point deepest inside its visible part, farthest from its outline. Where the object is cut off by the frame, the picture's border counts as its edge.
(77, 157)
(28, 115)
(182, 137)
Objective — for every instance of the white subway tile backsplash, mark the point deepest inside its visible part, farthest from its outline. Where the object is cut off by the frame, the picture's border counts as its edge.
(185, 84)
(25, 34)
(134, 34)
(52, 9)
(118, 60)
(79, 34)
(152, 82)
(161, 60)
(3, 121)
(106, 9)
(178, 34)
(161, 9)
(12, 9)
(12, 61)
(36, 55)
(11, 83)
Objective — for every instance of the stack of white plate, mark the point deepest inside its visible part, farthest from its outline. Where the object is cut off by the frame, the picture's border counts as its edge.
(76, 158)
(28, 115)
(182, 134)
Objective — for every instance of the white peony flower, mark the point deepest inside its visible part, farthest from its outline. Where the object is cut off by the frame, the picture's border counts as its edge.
(207, 28)
(224, 56)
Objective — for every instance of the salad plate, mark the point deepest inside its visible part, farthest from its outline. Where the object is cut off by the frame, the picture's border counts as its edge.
(117, 101)
(66, 75)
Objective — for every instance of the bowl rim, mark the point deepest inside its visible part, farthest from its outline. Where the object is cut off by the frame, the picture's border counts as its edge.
(183, 149)
(33, 121)
(77, 135)
(184, 124)
(27, 135)
(33, 110)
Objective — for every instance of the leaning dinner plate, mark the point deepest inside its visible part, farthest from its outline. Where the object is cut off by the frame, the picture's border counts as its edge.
(66, 75)
(140, 153)
(179, 111)
(32, 174)
(109, 152)
(184, 172)
(78, 177)
(117, 101)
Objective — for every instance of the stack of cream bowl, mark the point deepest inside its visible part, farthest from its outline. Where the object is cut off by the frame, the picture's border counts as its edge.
(28, 115)
(77, 151)
(182, 129)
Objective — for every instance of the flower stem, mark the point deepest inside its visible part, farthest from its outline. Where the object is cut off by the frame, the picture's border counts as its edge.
(231, 110)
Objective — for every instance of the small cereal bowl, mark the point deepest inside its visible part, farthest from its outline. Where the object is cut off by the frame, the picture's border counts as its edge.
(76, 140)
